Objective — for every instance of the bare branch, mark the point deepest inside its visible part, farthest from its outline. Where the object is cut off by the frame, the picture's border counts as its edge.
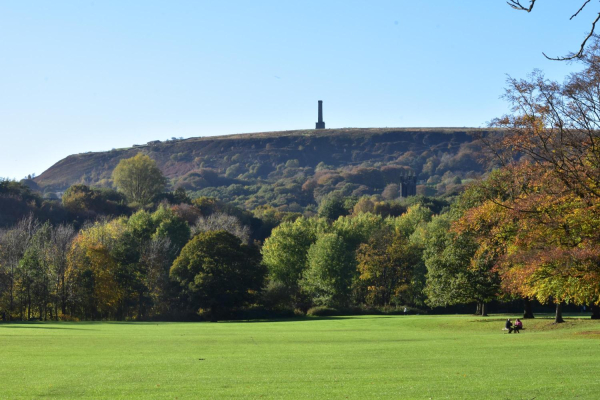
(578, 11)
(516, 4)
(579, 54)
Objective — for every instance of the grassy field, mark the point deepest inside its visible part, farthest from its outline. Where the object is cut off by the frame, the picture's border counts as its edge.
(419, 357)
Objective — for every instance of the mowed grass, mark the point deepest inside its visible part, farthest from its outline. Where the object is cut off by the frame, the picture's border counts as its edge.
(391, 357)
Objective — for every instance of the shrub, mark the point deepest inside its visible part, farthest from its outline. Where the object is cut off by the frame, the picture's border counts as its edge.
(322, 311)
(399, 310)
(292, 163)
(67, 318)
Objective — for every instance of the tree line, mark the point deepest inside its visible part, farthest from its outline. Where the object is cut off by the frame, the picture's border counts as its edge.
(528, 231)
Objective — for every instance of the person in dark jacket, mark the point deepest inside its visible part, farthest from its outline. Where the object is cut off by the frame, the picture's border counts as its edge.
(509, 326)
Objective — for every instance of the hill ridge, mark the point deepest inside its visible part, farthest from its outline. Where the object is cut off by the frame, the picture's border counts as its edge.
(248, 159)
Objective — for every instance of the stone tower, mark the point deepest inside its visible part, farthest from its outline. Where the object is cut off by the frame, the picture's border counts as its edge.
(320, 124)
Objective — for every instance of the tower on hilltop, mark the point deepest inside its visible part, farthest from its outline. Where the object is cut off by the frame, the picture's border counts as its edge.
(320, 124)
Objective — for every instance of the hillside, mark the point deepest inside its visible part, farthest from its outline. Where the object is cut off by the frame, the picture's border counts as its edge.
(291, 166)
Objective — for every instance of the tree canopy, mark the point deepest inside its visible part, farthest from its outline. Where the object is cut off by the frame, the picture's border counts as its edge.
(139, 179)
(218, 272)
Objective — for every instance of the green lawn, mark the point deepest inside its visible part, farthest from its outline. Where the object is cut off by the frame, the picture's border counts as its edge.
(390, 357)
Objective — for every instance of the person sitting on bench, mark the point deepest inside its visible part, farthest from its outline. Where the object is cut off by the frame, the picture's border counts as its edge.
(508, 326)
(518, 325)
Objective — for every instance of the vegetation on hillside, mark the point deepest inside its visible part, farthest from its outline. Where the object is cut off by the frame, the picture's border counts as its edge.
(294, 171)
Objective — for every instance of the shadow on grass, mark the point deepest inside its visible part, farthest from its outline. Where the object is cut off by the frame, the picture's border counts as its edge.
(304, 319)
(32, 325)
(73, 324)
(538, 317)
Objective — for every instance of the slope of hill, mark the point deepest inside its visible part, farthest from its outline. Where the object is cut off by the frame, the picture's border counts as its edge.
(306, 164)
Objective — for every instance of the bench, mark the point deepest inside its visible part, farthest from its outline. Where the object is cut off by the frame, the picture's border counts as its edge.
(506, 330)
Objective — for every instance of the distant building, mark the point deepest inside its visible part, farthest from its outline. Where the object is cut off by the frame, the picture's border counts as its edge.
(408, 186)
(320, 124)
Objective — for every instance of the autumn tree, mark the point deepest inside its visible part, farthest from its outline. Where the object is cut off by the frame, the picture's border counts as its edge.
(93, 273)
(385, 265)
(81, 199)
(363, 205)
(541, 235)
(139, 179)
(555, 126)
(549, 152)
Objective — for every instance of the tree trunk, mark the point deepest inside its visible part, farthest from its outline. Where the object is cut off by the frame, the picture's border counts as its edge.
(558, 319)
(483, 310)
(478, 309)
(528, 311)
(12, 285)
(213, 315)
(595, 311)
(63, 298)
(141, 307)
(28, 303)
(21, 307)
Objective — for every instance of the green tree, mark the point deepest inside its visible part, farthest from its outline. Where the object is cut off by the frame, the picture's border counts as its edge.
(358, 229)
(285, 251)
(33, 275)
(139, 179)
(331, 269)
(218, 273)
(157, 239)
(408, 222)
(61, 239)
(155, 260)
(169, 225)
(13, 245)
(164, 222)
(142, 226)
(332, 207)
(454, 274)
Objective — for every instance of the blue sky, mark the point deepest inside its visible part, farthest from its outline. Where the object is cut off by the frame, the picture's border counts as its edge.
(79, 76)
